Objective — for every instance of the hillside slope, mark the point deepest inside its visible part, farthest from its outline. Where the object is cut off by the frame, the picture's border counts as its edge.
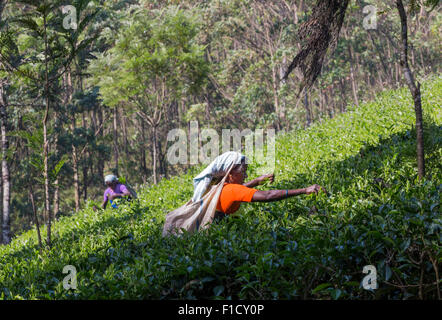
(377, 213)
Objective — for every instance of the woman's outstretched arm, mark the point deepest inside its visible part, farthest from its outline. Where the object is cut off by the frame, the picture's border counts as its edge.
(274, 195)
(259, 180)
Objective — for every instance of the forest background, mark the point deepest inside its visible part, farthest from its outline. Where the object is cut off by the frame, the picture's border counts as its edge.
(103, 96)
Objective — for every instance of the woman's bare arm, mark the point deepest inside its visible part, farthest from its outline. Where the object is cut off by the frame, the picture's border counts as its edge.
(259, 180)
(274, 195)
(119, 195)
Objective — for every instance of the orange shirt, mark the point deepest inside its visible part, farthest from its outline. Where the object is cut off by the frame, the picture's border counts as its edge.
(231, 197)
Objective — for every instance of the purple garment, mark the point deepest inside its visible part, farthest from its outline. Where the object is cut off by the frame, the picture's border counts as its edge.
(120, 188)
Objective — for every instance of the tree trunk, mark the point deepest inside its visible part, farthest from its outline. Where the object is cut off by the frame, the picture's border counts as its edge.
(143, 152)
(353, 80)
(115, 140)
(321, 103)
(125, 139)
(46, 169)
(85, 181)
(154, 154)
(276, 99)
(85, 167)
(342, 92)
(45, 139)
(34, 210)
(75, 169)
(94, 120)
(162, 159)
(282, 117)
(414, 89)
(69, 91)
(6, 223)
(56, 182)
(100, 165)
(56, 197)
(328, 108)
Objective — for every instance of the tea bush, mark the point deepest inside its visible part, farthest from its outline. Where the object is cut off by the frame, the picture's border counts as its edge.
(309, 247)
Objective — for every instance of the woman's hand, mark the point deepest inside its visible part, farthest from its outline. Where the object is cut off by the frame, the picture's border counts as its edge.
(114, 196)
(314, 189)
(260, 180)
(270, 177)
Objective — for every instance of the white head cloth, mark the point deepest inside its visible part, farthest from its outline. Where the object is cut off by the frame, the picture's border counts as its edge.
(110, 178)
(218, 168)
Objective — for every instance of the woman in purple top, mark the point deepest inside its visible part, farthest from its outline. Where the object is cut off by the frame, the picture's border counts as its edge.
(114, 190)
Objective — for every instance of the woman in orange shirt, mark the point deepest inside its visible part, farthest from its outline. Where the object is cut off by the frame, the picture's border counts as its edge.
(217, 201)
(236, 191)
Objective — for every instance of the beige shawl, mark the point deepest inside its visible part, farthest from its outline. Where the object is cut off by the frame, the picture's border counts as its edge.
(194, 216)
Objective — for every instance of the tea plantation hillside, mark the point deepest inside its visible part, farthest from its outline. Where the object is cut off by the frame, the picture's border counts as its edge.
(307, 247)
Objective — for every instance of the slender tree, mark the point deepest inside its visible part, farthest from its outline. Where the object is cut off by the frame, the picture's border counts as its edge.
(6, 226)
(414, 87)
(5, 236)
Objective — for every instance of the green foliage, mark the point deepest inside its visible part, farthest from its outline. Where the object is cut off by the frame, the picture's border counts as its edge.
(34, 141)
(220, 63)
(377, 212)
(158, 61)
